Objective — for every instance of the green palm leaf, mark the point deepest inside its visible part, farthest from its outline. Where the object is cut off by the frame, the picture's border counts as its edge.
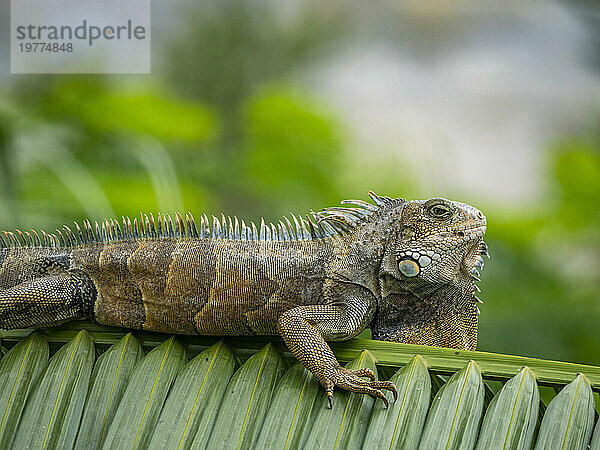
(109, 380)
(19, 369)
(512, 415)
(291, 409)
(144, 397)
(569, 419)
(195, 396)
(454, 417)
(244, 406)
(400, 425)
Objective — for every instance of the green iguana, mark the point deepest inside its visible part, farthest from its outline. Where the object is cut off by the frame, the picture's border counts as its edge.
(403, 268)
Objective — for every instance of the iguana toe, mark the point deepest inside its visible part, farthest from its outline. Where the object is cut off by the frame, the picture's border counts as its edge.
(366, 372)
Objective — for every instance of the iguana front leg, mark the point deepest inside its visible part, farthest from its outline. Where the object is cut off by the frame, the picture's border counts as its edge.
(305, 330)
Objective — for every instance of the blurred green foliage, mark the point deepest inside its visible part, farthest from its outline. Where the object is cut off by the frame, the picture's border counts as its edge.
(144, 111)
(223, 128)
(288, 138)
(542, 281)
(576, 168)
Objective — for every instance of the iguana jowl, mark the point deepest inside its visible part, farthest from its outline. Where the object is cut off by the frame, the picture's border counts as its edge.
(404, 268)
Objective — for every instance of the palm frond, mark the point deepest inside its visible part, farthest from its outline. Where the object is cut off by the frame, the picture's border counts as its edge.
(240, 393)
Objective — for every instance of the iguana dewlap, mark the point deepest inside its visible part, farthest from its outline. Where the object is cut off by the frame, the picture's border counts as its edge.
(403, 268)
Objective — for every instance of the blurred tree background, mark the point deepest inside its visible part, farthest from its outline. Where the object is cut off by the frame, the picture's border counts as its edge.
(245, 113)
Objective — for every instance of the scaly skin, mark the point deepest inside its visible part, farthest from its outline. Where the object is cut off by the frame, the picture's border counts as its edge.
(404, 268)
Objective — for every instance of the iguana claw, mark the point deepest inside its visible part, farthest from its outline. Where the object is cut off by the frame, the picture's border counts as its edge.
(351, 380)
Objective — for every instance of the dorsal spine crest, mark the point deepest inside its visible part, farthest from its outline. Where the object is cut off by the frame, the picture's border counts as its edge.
(318, 225)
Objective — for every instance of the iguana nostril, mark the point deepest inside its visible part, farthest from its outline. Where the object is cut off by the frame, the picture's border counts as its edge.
(460, 234)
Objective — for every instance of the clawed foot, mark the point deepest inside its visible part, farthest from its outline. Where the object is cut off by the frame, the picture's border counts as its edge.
(351, 380)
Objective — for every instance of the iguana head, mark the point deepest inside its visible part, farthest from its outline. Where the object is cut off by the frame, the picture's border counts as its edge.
(427, 291)
(439, 239)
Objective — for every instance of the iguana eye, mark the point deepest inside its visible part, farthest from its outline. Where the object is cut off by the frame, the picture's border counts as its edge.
(440, 211)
